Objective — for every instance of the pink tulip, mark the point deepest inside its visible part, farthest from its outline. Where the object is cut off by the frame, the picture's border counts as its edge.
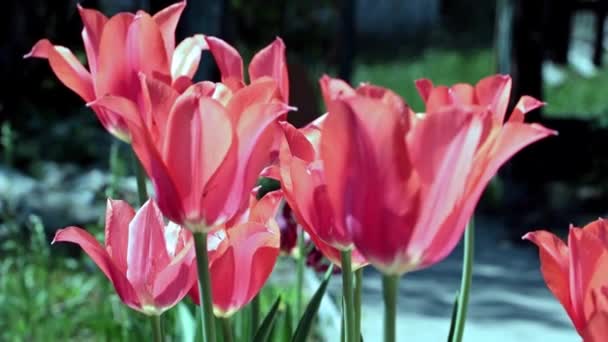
(117, 50)
(242, 256)
(151, 265)
(404, 186)
(303, 182)
(576, 275)
(207, 148)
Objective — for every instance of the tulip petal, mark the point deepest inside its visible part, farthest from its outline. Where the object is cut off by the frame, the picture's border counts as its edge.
(199, 137)
(187, 56)
(101, 258)
(266, 208)
(261, 92)
(158, 98)
(333, 89)
(114, 112)
(118, 216)
(146, 251)
(555, 265)
(175, 281)
(257, 130)
(240, 272)
(167, 20)
(66, 67)
(93, 21)
(524, 105)
(454, 135)
(271, 62)
(343, 150)
(168, 197)
(424, 87)
(386, 96)
(312, 131)
(146, 51)
(114, 76)
(589, 264)
(438, 97)
(462, 94)
(226, 57)
(599, 228)
(299, 146)
(494, 91)
(597, 328)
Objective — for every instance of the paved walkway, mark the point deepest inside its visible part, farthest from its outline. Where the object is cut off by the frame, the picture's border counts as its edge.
(509, 300)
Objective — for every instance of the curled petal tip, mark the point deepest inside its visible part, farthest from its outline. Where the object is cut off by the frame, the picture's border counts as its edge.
(40, 49)
(529, 236)
(279, 40)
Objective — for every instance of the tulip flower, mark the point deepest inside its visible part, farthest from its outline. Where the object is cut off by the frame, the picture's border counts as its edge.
(242, 256)
(209, 147)
(303, 184)
(576, 274)
(425, 173)
(403, 186)
(203, 150)
(150, 264)
(117, 50)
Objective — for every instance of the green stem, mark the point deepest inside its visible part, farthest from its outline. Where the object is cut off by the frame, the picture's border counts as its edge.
(255, 312)
(390, 286)
(347, 292)
(300, 273)
(204, 286)
(227, 329)
(157, 327)
(112, 189)
(142, 192)
(465, 282)
(358, 294)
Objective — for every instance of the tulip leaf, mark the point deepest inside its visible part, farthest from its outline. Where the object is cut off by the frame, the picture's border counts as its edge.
(308, 317)
(288, 326)
(265, 328)
(453, 322)
(186, 323)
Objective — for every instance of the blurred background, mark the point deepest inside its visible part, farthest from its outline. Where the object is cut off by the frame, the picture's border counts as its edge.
(58, 165)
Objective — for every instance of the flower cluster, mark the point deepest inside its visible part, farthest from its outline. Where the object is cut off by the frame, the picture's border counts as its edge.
(370, 181)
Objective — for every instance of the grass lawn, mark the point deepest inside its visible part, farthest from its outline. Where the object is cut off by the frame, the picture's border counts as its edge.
(577, 97)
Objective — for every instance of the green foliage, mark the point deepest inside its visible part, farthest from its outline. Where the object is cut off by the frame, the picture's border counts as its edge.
(46, 295)
(577, 97)
(43, 297)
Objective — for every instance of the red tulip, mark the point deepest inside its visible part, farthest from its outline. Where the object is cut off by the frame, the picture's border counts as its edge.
(576, 274)
(402, 186)
(207, 148)
(303, 182)
(242, 256)
(152, 266)
(117, 50)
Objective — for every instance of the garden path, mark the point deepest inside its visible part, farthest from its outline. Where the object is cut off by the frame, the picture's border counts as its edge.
(509, 300)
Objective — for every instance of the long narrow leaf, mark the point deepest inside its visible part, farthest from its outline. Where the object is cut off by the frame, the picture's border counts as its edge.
(312, 308)
(453, 322)
(288, 323)
(266, 327)
(186, 323)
